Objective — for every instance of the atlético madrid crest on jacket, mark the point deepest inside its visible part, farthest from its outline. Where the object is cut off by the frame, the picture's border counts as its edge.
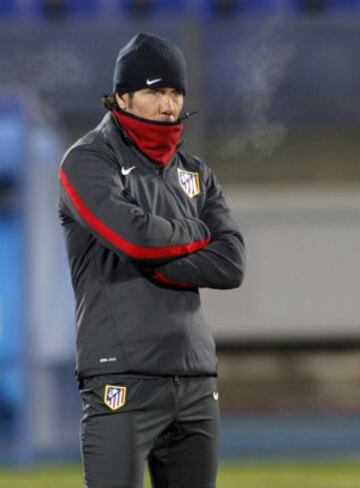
(189, 182)
(114, 396)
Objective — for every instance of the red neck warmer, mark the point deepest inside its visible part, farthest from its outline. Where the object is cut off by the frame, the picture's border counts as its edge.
(158, 140)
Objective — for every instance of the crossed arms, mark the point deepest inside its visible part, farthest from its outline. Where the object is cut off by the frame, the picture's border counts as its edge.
(189, 252)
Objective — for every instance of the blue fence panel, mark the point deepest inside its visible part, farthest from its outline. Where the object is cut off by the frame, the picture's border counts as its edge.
(10, 323)
(13, 339)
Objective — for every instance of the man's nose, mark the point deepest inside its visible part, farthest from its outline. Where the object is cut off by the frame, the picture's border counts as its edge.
(167, 106)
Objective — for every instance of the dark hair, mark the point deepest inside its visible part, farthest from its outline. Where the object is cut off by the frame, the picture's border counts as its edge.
(110, 103)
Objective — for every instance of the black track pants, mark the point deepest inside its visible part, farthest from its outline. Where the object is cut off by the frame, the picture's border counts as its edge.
(173, 422)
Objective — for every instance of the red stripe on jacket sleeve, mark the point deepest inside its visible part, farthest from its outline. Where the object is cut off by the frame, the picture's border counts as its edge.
(117, 240)
(165, 279)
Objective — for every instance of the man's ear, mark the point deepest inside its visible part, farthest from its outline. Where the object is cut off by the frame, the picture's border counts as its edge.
(121, 100)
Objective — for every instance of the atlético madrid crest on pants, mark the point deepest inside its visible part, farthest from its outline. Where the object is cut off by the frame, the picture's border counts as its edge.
(114, 396)
(189, 182)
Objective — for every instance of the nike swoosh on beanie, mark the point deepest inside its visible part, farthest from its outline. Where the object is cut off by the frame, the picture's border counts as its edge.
(149, 57)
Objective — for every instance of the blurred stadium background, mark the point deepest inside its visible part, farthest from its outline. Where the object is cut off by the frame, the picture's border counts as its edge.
(277, 86)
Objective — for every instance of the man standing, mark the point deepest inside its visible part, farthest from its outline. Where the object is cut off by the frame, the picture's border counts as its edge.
(146, 225)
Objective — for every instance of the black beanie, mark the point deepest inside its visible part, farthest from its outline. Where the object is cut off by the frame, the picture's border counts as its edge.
(149, 61)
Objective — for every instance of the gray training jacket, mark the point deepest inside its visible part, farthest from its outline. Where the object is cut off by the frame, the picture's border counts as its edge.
(141, 240)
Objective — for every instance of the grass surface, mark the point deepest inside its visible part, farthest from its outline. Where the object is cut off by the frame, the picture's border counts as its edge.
(324, 474)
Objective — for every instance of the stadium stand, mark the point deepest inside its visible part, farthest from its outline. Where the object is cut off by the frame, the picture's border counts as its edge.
(203, 8)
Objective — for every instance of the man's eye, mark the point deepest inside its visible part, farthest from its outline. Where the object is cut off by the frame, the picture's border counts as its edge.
(178, 95)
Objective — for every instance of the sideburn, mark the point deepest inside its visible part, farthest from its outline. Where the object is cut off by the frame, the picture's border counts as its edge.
(131, 100)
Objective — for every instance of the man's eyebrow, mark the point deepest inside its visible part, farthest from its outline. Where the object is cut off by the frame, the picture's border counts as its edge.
(158, 89)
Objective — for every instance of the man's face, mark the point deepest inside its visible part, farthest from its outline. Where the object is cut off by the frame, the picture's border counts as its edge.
(158, 104)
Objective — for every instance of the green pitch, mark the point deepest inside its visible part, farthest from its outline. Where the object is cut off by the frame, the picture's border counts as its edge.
(324, 474)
